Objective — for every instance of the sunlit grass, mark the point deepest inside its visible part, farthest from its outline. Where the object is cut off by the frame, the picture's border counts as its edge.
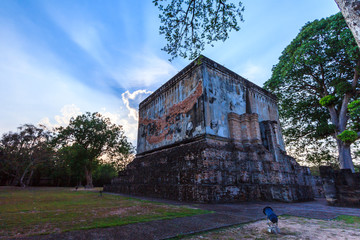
(46, 210)
(348, 219)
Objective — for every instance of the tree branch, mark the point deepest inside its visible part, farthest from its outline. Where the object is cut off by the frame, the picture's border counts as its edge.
(334, 117)
(356, 75)
(343, 110)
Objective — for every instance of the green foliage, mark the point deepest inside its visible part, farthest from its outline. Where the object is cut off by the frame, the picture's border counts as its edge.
(314, 153)
(89, 137)
(354, 108)
(327, 100)
(348, 136)
(36, 156)
(321, 61)
(189, 25)
(354, 113)
(103, 174)
(69, 165)
(22, 152)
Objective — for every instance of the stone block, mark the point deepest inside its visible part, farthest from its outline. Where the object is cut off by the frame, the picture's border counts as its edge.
(342, 187)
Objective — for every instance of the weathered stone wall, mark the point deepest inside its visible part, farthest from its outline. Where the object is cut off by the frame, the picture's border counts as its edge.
(341, 187)
(318, 187)
(173, 113)
(226, 92)
(215, 170)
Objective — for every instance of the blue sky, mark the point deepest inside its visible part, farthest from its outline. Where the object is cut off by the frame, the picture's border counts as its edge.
(59, 59)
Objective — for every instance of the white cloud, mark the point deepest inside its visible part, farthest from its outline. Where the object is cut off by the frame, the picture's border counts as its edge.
(132, 101)
(126, 115)
(125, 118)
(67, 112)
(129, 125)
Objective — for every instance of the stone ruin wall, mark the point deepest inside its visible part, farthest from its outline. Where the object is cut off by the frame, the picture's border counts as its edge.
(341, 187)
(226, 92)
(211, 171)
(197, 101)
(174, 112)
(209, 135)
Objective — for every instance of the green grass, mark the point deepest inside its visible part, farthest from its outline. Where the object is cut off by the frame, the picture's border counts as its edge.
(348, 219)
(45, 210)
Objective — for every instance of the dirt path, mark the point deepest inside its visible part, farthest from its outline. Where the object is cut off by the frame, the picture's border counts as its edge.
(290, 227)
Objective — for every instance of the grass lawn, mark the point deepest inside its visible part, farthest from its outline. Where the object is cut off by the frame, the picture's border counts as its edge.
(34, 211)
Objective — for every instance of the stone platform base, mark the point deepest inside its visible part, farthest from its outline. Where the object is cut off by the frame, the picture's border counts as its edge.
(213, 170)
(342, 187)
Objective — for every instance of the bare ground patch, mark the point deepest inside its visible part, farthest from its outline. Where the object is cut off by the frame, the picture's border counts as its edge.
(290, 227)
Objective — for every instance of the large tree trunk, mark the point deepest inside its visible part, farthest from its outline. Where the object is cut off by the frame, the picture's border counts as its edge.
(345, 156)
(29, 178)
(88, 176)
(22, 184)
(345, 159)
(350, 9)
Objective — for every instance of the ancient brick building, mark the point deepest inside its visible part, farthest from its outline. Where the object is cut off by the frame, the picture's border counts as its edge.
(209, 135)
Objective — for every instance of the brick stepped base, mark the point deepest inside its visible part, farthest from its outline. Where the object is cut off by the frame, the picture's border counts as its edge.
(210, 170)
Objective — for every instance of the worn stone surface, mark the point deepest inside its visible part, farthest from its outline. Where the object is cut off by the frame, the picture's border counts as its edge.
(211, 170)
(209, 135)
(341, 187)
(197, 102)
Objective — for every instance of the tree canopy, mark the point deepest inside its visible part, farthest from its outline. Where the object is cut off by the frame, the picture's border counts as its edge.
(89, 144)
(190, 24)
(317, 83)
(89, 137)
(350, 9)
(22, 151)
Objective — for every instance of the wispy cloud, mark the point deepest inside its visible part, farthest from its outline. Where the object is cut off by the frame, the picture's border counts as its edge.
(127, 68)
(149, 71)
(84, 31)
(35, 85)
(31, 78)
(256, 73)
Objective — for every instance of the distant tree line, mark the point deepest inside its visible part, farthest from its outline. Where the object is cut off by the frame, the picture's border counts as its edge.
(89, 152)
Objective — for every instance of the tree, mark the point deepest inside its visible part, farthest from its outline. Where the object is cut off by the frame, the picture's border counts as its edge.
(104, 173)
(189, 25)
(22, 152)
(317, 83)
(351, 12)
(69, 165)
(91, 136)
